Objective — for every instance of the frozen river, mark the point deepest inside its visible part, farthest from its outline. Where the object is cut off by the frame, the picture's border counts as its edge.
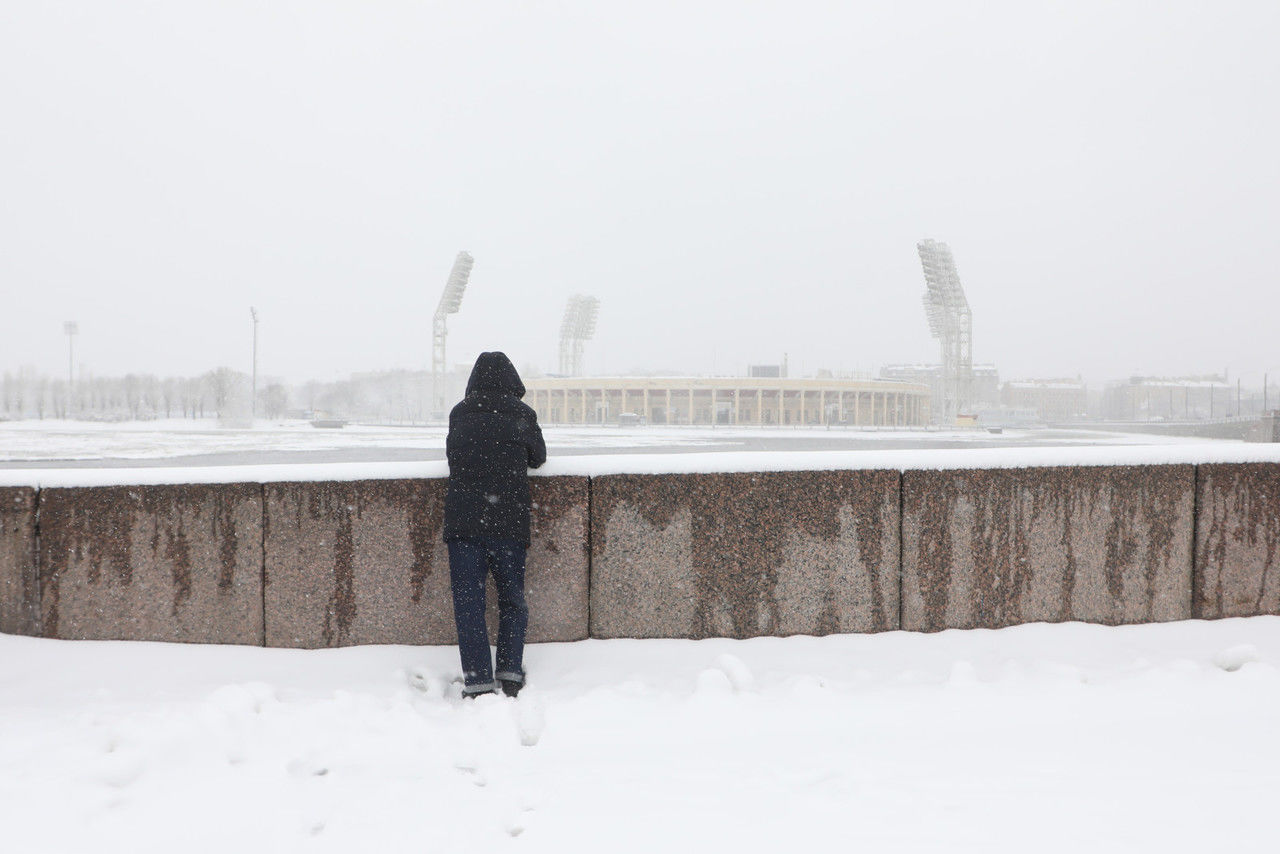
(58, 444)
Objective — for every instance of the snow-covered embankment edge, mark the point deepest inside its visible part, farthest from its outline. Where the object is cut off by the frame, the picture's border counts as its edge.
(685, 463)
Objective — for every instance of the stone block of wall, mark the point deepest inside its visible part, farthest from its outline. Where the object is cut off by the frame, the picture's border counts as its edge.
(19, 583)
(1237, 540)
(161, 563)
(1100, 544)
(362, 562)
(745, 554)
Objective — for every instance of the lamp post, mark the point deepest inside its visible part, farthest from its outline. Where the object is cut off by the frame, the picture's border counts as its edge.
(72, 329)
(1266, 376)
(253, 390)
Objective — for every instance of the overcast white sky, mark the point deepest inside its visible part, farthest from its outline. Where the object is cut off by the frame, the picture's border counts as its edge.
(733, 180)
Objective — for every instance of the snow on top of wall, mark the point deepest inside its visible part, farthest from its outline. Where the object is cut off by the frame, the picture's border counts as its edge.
(688, 463)
(152, 475)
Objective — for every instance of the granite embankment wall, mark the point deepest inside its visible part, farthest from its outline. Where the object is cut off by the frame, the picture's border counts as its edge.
(336, 563)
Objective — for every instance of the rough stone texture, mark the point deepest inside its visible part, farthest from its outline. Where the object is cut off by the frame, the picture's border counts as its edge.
(744, 555)
(558, 574)
(165, 563)
(19, 583)
(1237, 534)
(1101, 544)
(362, 562)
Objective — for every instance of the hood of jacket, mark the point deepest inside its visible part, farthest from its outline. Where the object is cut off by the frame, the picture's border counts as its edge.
(494, 372)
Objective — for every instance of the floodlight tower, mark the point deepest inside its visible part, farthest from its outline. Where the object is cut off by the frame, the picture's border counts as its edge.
(71, 329)
(450, 300)
(577, 327)
(951, 322)
(253, 386)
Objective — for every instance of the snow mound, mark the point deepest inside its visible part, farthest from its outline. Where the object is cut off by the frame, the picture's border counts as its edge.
(1233, 658)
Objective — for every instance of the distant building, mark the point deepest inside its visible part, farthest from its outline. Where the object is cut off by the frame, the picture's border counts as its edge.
(1191, 398)
(757, 401)
(1050, 399)
(984, 385)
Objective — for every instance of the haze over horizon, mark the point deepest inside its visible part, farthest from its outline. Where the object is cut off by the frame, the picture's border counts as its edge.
(732, 181)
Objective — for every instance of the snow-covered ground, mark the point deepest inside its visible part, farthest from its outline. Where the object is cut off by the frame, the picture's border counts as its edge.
(140, 440)
(150, 440)
(1065, 738)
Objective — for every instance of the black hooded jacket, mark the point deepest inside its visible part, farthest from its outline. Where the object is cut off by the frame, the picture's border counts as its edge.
(494, 439)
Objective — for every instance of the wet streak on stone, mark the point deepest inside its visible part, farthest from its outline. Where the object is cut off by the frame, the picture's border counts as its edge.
(1119, 553)
(264, 521)
(19, 574)
(590, 550)
(828, 614)
(52, 542)
(1069, 569)
(323, 518)
(1025, 532)
(223, 530)
(74, 535)
(936, 550)
(178, 554)
(552, 498)
(142, 563)
(557, 581)
(871, 533)
(342, 602)
(351, 562)
(425, 519)
(1211, 541)
(741, 527)
(1238, 540)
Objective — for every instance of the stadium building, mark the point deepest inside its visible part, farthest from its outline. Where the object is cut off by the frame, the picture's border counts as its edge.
(755, 401)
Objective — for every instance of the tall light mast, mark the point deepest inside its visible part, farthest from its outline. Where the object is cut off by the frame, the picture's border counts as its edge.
(577, 327)
(253, 386)
(450, 300)
(951, 322)
(71, 329)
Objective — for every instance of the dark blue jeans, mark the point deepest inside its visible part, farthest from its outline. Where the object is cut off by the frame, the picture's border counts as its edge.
(470, 561)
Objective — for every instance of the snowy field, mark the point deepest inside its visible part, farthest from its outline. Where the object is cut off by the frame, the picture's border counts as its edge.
(1067, 738)
(26, 442)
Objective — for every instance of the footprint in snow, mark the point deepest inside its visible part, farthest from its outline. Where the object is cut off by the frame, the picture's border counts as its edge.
(119, 768)
(471, 772)
(420, 679)
(963, 674)
(1235, 657)
(307, 768)
(249, 698)
(713, 682)
(740, 676)
(531, 717)
(516, 825)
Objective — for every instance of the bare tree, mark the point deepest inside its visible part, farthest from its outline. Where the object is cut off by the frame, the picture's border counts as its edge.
(275, 400)
(227, 388)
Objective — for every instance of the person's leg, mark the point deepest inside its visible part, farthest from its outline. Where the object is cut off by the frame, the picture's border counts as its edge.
(513, 614)
(467, 570)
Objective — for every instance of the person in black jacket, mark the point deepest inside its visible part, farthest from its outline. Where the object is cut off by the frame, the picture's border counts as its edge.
(494, 439)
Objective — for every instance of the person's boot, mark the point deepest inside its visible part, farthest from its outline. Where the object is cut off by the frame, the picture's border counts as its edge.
(510, 684)
(471, 692)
